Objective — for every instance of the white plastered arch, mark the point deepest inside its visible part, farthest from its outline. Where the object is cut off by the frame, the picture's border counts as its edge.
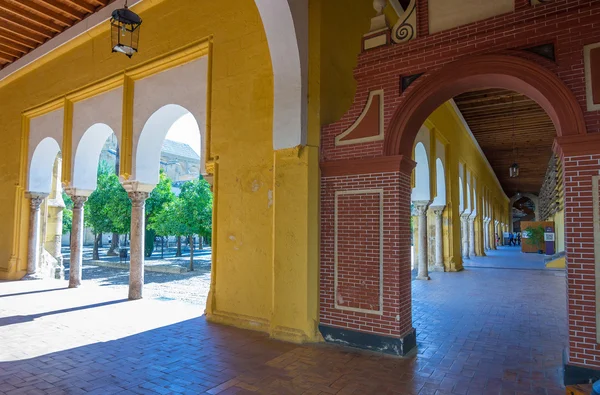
(440, 199)
(421, 191)
(89, 136)
(150, 141)
(87, 156)
(42, 165)
(47, 126)
(286, 27)
(182, 90)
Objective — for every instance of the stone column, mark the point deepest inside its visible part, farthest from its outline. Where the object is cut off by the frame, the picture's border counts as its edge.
(438, 211)
(464, 220)
(486, 233)
(472, 236)
(35, 201)
(136, 262)
(76, 259)
(421, 210)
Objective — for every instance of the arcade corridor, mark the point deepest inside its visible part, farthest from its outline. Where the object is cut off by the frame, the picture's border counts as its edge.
(481, 331)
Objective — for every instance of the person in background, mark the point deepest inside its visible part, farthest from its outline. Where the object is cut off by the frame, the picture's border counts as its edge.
(511, 239)
(519, 238)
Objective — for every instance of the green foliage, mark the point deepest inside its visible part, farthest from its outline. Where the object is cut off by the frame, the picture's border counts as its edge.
(67, 214)
(150, 234)
(189, 214)
(108, 208)
(535, 236)
(159, 199)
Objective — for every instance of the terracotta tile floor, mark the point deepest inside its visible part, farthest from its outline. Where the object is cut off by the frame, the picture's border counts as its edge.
(481, 331)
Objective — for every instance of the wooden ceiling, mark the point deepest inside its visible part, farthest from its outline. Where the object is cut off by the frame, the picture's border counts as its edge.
(27, 24)
(491, 114)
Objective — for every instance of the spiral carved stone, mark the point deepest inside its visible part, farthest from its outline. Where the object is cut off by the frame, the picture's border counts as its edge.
(404, 29)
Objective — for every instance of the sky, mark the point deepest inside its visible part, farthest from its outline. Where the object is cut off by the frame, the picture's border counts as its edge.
(185, 130)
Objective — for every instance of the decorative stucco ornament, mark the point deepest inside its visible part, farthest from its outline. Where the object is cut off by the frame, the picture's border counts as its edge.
(406, 28)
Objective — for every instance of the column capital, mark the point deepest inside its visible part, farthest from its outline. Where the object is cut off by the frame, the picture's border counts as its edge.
(438, 211)
(138, 198)
(421, 206)
(78, 201)
(36, 199)
(471, 219)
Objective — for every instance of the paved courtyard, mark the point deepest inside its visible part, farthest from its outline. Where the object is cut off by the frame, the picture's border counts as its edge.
(190, 287)
(481, 331)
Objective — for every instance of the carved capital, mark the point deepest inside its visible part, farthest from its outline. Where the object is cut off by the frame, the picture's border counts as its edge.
(420, 207)
(138, 198)
(36, 199)
(438, 211)
(78, 201)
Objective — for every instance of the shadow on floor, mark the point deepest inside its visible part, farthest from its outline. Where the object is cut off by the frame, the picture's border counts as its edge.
(19, 319)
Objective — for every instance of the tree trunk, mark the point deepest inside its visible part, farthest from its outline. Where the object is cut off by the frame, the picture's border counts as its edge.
(114, 245)
(178, 253)
(162, 247)
(191, 240)
(95, 255)
(100, 241)
(200, 242)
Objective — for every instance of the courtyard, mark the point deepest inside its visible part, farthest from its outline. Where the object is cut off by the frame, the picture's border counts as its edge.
(481, 331)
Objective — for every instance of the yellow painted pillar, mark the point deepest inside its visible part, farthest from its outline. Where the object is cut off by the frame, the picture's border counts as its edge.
(295, 293)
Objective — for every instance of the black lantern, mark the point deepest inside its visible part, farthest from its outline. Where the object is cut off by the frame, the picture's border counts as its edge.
(514, 170)
(125, 31)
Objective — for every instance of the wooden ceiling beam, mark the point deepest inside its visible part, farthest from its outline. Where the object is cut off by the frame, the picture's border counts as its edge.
(10, 51)
(14, 46)
(83, 5)
(78, 15)
(46, 12)
(30, 16)
(6, 57)
(22, 32)
(9, 35)
(23, 25)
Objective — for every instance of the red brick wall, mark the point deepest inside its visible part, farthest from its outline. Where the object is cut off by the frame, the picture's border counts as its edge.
(579, 247)
(569, 25)
(358, 221)
(357, 249)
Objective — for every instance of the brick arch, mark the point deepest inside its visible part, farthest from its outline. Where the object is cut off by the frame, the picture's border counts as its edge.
(480, 72)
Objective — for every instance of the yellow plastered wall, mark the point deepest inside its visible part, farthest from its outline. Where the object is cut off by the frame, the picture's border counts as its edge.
(342, 28)
(241, 139)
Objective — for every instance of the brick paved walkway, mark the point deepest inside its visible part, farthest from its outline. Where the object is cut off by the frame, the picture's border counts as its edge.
(481, 331)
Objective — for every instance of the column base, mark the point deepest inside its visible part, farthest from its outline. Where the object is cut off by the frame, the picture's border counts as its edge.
(579, 375)
(438, 268)
(135, 294)
(422, 278)
(405, 346)
(74, 284)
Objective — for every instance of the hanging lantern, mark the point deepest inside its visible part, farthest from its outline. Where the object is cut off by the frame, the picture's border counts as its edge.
(514, 170)
(125, 31)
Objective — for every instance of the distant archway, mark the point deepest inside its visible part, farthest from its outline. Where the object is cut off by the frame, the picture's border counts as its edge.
(421, 191)
(440, 199)
(485, 71)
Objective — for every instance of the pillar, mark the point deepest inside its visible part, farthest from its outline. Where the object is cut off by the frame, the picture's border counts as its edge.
(486, 230)
(35, 200)
(76, 259)
(421, 209)
(439, 237)
(464, 221)
(471, 236)
(136, 261)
